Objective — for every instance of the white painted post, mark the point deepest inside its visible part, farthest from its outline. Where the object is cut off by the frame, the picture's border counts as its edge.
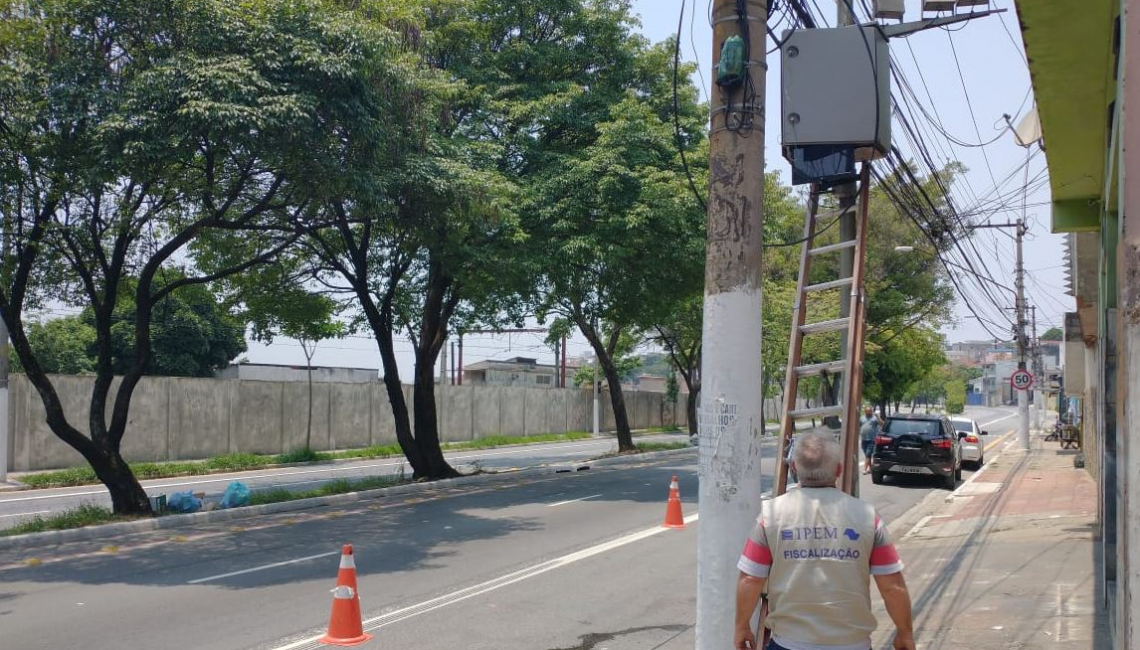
(730, 423)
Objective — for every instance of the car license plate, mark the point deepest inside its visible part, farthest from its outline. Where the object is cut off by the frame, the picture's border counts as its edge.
(903, 469)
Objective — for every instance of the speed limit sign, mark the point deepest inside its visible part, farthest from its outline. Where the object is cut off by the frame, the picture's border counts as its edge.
(1021, 380)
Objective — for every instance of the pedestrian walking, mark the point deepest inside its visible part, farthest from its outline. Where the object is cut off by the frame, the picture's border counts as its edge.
(814, 551)
(869, 427)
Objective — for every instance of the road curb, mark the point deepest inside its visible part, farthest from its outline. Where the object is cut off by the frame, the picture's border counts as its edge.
(56, 537)
(15, 485)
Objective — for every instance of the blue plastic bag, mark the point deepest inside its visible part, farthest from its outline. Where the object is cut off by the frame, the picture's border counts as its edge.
(183, 502)
(235, 496)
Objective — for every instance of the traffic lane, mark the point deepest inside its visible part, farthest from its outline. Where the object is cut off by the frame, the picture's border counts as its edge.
(20, 506)
(404, 553)
(641, 594)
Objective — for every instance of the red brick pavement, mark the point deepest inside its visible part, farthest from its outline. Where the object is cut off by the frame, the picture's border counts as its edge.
(1045, 483)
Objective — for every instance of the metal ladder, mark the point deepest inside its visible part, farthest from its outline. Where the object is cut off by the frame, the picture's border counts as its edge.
(851, 365)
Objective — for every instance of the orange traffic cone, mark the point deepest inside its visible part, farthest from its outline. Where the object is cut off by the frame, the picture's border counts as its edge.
(673, 516)
(345, 624)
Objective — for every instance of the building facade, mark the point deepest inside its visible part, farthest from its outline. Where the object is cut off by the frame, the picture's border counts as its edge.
(1084, 57)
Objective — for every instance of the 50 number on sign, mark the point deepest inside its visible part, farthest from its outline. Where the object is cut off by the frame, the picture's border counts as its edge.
(1021, 380)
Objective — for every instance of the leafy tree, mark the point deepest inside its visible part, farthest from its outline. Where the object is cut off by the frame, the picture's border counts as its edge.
(61, 346)
(289, 311)
(895, 363)
(583, 111)
(192, 334)
(1053, 334)
(624, 233)
(679, 333)
(134, 134)
(955, 398)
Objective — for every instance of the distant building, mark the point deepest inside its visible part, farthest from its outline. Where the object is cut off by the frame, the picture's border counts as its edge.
(517, 371)
(654, 384)
(978, 353)
(276, 372)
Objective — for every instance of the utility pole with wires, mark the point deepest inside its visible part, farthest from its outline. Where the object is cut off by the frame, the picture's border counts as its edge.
(1039, 397)
(730, 425)
(1020, 325)
(1022, 343)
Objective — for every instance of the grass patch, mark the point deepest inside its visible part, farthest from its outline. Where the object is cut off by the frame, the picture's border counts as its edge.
(673, 429)
(339, 486)
(302, 455)
(61, 478)
(84, 515)
(661, 446)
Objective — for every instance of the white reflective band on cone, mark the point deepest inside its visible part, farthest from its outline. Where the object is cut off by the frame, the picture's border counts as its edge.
(346, 562)
(342, 592)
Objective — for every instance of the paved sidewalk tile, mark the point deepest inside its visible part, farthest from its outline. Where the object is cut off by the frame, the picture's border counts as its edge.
(1008, 563)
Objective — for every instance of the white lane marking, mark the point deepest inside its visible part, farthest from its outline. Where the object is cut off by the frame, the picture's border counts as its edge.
(23, 514)
(260, 568)
(986, 424)
(398, 615)
(562, 503)
(222, 478)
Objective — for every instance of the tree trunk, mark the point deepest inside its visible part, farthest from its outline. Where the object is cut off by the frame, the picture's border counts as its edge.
(382, 328)
(830, 397)
(426, 426)
(691, 408)
(127, 496)
(617, 399)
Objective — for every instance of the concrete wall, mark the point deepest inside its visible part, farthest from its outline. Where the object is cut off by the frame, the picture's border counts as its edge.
(175, 418)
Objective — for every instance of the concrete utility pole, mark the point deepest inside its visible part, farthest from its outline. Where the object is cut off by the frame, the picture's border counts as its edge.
(1022, 395)
(1038, 374)
(730, 423)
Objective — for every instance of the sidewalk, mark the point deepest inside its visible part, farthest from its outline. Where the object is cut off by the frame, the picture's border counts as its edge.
(1007, 562)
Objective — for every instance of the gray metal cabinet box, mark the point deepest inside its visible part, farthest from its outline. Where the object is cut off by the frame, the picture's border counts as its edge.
(836, 88)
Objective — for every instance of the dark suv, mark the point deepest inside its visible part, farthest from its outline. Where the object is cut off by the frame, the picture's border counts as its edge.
(923, 445)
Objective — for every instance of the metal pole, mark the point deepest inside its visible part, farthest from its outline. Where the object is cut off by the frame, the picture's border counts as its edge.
(1022, 395)
(730, 424)
(563, 381)
(597, 399)
(460, 367)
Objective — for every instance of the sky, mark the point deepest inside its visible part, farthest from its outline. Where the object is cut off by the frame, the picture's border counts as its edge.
(965, 81)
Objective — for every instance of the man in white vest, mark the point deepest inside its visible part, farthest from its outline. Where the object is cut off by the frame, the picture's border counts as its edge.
(814, 550)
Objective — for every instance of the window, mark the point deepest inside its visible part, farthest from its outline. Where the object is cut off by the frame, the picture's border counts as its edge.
(963, 425)
(542, 380)
(899, 427)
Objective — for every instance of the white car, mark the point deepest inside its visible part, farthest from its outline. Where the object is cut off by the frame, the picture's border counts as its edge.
(970, 441)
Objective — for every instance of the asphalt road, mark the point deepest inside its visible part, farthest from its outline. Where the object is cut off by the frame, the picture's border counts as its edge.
(19, 506)
(541, 563)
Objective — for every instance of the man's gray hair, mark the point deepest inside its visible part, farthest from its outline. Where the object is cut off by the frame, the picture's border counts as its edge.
(817, 457)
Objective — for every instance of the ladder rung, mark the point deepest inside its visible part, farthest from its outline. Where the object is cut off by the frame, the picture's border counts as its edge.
(834, 284)
(831, 248)
(817, 412)
(818, 368)
(826, 326)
